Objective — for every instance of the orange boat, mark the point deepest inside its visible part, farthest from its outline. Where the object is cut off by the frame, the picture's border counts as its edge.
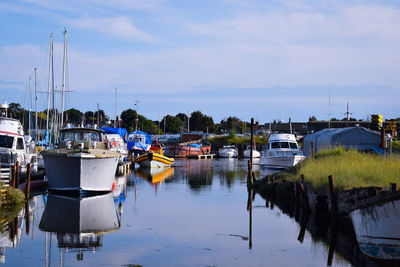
(183, 150)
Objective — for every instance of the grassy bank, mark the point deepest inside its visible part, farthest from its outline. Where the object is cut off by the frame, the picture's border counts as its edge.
(350, 169)
(11, 197)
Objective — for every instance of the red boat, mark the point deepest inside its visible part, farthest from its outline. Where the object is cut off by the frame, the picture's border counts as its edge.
(183, 150)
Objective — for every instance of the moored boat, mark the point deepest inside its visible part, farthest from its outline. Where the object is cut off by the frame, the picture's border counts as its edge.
(283, 151)
(154, 158)
(183, 150)
(246, 153)
(229, 151)
(377, 230)
(13, 147)
(81, 162)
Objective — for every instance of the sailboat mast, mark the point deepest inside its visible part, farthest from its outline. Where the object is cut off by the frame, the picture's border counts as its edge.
(36, 117)
(63, 81)
(53, 118)
(115, 108)
(49, 83)
(30, 107)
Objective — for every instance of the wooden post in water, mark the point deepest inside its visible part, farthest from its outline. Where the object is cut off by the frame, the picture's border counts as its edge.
(333, 194)
(28, 182)
(394, 187)
(27, 218)
(14, 172)
(17, 174)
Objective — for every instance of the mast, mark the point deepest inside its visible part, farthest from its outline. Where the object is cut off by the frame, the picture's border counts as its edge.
(49, 81)
(53, 118)
(30, 107)
(329, 111)
(36, 117)
(63, 81)
(115, 107)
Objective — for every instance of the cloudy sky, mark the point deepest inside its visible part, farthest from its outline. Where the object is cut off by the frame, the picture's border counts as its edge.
(266, 59)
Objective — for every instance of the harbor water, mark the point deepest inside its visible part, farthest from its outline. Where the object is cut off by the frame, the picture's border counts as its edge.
(193, 214)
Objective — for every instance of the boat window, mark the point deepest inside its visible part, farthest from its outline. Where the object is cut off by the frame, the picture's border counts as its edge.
(6, 141)
(68, 136)
(293, 145)
(284, 145)
(95, 137)
(81, 136)
(20, 143)
(275, 145)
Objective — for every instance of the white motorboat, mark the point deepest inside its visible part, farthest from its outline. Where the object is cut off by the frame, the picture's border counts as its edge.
(377, 230)
(283, 151)
(229, 151)
(13, 148)
(246, 153)
(81, 161)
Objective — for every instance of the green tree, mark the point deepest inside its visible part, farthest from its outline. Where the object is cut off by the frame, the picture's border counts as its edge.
(173, 124)
(73, 116)
(128, 118)
(312, 118)
(200, 122)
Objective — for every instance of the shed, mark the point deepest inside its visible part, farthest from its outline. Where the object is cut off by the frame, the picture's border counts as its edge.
(359, 138)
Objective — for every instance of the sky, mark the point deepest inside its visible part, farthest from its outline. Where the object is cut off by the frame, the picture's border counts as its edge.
(270, 60)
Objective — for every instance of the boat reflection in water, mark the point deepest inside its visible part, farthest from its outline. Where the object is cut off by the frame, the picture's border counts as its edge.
(80, 222)
(377, 230)
(155, 175)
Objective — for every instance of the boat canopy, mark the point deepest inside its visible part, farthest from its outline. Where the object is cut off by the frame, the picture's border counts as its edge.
(121, 131)
(139, 132)
(359, 138)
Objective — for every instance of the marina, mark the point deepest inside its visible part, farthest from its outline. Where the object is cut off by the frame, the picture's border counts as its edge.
(197, 216)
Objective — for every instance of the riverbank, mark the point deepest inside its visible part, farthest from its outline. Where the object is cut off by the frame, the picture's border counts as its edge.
(10, 197)
(350, 169)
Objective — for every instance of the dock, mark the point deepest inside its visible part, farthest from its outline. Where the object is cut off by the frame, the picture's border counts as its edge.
(206, 156)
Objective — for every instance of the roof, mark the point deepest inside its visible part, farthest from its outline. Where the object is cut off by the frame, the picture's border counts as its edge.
(80, 129)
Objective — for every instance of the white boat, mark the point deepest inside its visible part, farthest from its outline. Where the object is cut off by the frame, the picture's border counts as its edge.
(283, 151)
(246, 153)
(12, 144)
(81, 161)
(377, 230)
(117, 143)
(229, 151)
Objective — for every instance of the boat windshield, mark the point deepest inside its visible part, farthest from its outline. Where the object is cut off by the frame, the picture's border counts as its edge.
(291, 145)
(80, 136)
(6, 141)
(284, 144)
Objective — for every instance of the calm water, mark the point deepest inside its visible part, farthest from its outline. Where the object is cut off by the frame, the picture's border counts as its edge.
(191, 215)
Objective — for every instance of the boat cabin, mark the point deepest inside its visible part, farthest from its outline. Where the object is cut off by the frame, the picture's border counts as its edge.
(83, 138)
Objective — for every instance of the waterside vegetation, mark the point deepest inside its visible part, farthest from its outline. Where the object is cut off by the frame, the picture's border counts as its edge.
(350, 169)
(10, 197)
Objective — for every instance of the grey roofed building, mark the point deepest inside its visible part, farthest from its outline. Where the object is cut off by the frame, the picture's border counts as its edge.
(359, 138)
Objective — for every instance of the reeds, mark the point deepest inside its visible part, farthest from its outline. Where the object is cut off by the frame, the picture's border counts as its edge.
(350, 169)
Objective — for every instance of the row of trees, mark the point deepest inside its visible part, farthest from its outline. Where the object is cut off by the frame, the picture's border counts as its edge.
(128, 119)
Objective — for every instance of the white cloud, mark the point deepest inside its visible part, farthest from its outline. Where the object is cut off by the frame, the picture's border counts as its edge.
(118, 26)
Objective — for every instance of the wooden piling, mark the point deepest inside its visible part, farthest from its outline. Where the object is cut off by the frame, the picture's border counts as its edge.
(334, 205)
(17, 174)
(394, 187)
(28, 182)
(14, 172)
(312, 149)
(383, 139)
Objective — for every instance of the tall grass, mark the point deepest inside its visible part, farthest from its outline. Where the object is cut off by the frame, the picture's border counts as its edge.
(237, 140)
(350, 169)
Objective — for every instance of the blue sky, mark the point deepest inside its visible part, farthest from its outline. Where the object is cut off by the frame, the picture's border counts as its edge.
(263, 59)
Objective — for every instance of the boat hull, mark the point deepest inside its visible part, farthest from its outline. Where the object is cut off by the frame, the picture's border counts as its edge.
(79, 172)
(182, 151)
(283, 161)
(246, 154)
(377, 230)
(154, 160)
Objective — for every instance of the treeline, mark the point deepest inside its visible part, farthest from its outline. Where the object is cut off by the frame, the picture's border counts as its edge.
(130, 118)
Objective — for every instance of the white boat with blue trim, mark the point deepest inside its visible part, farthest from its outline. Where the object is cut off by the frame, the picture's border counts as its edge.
(283, 151)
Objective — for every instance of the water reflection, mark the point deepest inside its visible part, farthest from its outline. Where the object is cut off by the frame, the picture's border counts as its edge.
(155, 175)
(79, 223)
